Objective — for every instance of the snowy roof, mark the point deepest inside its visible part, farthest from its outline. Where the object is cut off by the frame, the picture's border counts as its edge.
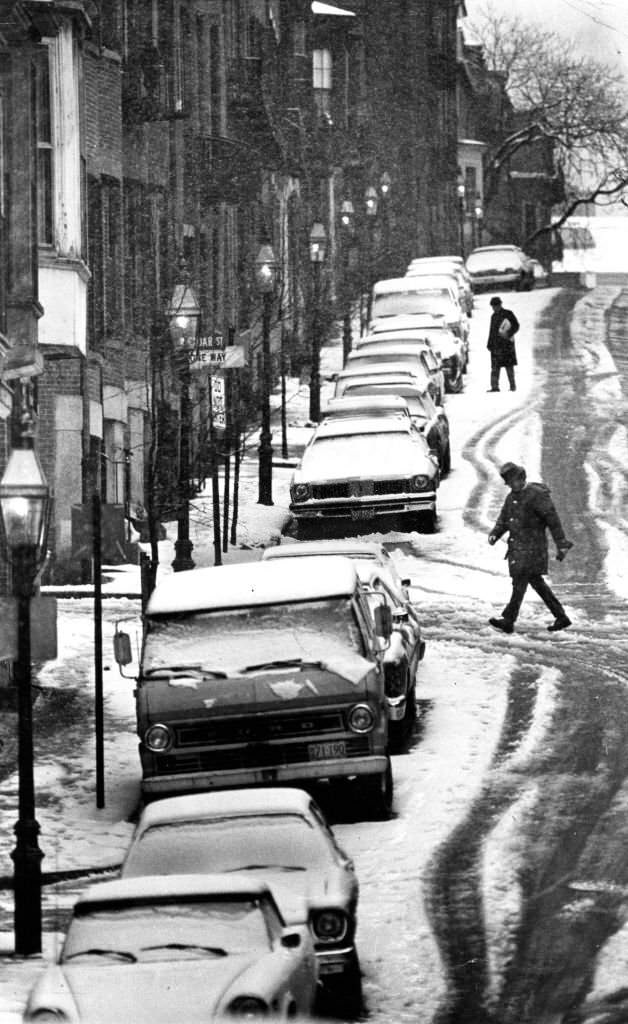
(309, 548)
(382, 347)
(390, 284)
(366, 403)
(414, 336)
(252, 583)
(146, 886)
(394, 323)
(361, 425)
(387, 368)
(408, 284)
(436, 259)
(265, 800)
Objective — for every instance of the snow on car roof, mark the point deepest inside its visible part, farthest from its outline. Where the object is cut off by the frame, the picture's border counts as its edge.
(406, 284)
(347, 547)
(384, 403)
(252, 583)
(412, 336)
(405, 320)
(458, 260)
(404, 347)
(158, 886)
(397, 368)
(360, 425)
(265, 800)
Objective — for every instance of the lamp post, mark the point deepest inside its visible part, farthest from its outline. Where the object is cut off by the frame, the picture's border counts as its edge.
(479, 214)
(318, 244)
(24, 500)
(371, 203)
(266, 274)
(346, 229)
(385, 185)
(183, 314)
(462, 195)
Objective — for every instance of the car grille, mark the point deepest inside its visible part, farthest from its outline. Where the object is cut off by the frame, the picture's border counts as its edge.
(252, 756)
(360, 488)
(258, 728)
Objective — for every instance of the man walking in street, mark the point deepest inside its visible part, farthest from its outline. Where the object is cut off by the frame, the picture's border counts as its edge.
(527, 513)
(501, 344)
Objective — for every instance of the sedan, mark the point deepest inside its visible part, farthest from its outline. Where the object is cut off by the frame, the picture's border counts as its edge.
(413, 351)
(370, 554)
(443, 353)
(361, 469)
(429, 419)
(194, 948)
(414, 372)
(500, 266)
(281, 836)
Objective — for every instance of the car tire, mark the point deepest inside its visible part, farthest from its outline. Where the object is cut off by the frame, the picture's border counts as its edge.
(377, 793)
(455, 386)
(445, 468)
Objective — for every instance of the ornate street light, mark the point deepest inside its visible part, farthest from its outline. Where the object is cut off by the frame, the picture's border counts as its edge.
(385, 183)
(24, 502)
(266, 277)
(479, 215)
(347, 226)
(371, 201)
(371, 204)
(183, 315)
(347, 214)
(461, 192)
(318, 246)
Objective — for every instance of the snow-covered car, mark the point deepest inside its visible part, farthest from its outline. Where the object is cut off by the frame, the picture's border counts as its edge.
(281, 837)
(404, 296)
(193, 948)
(427, 327)
(450, 264)
(429, 419)
(412, 372)
(366, 405)
(362, 469)
(500, 266)
(411, 351)
(260, 674)
(368, 555)
(444, 356)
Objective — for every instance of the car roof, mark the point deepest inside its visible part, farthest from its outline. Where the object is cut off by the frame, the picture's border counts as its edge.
(402, 387)
(248, 584)
(264, 800)
(358, 371)
(163, 886)
(404, 284)
(415, 320)
(437, 259)
(412, 335)
(492, 248)
(384, 348)
(385, 403)
(361, 425)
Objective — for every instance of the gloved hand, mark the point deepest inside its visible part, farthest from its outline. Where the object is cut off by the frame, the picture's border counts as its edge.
(492, 539)
(562, 550)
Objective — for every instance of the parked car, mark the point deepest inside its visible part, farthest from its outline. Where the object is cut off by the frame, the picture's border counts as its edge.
(282, 838)
(406, 649)
(444, 355)
(426, 326)
(259, 674)
(187, 947)
(429, 419)
(366, 405)
(367, 555)
(362, 469)
(414, 374)
(401, 297)
(500, 266)
(458, 273)
(411, 351)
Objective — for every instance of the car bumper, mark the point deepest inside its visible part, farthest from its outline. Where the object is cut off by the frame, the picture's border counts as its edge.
(314, 771)
(495, 280)
(364, 508)
(396, 708)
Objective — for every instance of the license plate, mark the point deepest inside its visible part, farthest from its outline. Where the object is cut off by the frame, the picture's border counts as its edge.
(331, 968)
(362, 513)
(324, 751)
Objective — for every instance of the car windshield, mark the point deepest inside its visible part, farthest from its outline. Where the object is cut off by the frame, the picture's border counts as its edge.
(370, 358)
(162, 929)
(357, 449)
(282, 842)
(493, 260)
(437, 300)
(233, 640)
(378, 388)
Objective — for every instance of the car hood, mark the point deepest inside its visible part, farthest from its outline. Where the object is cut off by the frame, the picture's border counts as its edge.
(178, 989)
(361, 459)
(344, 674)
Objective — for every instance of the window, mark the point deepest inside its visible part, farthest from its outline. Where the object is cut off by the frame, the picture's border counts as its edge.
(298, 38)
(44, 153)
(321, 79)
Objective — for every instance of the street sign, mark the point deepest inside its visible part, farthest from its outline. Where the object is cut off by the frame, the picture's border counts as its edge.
(230, 358)
(43, 628)
(219, 415)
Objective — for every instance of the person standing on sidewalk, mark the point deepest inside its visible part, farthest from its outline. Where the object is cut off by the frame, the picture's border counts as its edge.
(504, 325)
(527, 513)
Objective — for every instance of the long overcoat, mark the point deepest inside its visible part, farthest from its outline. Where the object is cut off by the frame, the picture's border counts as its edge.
(503, 350)
(525, 516)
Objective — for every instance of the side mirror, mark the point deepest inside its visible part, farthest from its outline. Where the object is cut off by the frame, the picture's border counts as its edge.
(383, 621)
(122, 649)
(406, 582)
(291, 940)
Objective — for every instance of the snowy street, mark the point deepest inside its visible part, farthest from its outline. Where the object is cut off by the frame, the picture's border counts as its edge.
(498, 890)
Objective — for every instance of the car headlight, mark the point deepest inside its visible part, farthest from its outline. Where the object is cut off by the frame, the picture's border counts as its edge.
(329, 925)
(420, 482)
(158, 738)
(248, 1008)
(301, 492)
(361, 718)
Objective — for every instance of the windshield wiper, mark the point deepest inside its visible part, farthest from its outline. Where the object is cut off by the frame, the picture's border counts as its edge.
(168, 671)
(260, 867)
(120, 953)
(284, 663)
(214, 950)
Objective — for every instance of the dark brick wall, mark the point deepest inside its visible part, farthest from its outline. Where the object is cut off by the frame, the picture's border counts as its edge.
(103, 114)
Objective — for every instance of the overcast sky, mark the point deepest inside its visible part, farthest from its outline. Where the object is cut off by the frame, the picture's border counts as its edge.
(599, 27)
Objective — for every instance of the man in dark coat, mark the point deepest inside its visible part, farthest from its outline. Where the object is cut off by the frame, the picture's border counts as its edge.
(501, 344)
(527, 513)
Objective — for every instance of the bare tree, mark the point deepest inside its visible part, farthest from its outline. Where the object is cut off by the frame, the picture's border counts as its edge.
(578, 104)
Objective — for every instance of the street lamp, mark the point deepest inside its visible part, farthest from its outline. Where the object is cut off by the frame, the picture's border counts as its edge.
(266, 274)
(24, 502)
(318, 245)
(385, 185)
(371, 203)
(183, 315)
(479, 214)
(347, 227)
(462, 195)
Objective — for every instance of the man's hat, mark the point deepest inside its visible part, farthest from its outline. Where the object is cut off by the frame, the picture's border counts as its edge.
(496, 301)
(510, 471)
